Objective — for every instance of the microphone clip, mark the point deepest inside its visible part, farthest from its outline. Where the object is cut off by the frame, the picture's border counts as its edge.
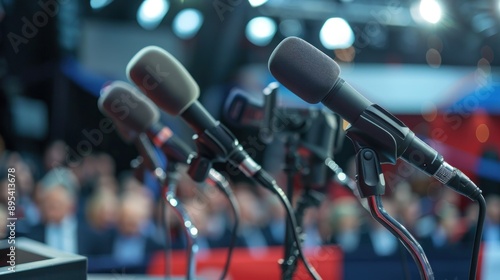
(371, 130)
(218, 144)
(369, 175)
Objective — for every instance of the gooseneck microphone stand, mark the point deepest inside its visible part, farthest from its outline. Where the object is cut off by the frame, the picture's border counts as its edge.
(218, 144)
(169, 180)
(189, 227)
(371, 185)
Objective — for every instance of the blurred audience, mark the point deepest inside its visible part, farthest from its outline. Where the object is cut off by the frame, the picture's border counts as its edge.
(59, 226)
(85, 207)
(491, 232)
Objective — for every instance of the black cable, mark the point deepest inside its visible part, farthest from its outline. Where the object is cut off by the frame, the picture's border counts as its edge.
(269, 183)
(221, 183)
(234, 233)
(477, 238)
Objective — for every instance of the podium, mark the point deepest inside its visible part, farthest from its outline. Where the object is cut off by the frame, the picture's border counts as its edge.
(34, 260)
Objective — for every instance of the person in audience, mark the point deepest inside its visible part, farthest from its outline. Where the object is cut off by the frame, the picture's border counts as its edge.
(346, 219)
(275, 230)
(59, 227)
(129, 246)
(491, 233)
(252, 219)
(27, 210)
(446, 235)
(55, 155)
(102, 210)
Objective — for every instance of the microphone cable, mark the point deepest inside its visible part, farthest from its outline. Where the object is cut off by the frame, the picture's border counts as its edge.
(269, 183)
(477, 237)
(220, 182)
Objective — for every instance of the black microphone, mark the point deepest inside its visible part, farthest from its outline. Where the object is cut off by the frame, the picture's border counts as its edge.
(134, 111)
(142, 143)
(163, 79)
(320, 140)
(314, 77)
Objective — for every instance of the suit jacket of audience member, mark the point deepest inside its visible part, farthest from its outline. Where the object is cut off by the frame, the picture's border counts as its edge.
(105, 263)
(89, 242)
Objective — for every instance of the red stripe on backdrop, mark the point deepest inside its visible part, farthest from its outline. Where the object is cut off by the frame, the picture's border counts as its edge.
(260, 263)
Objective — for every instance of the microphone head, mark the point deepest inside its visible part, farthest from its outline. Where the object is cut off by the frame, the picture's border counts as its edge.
(125, 105)
(303, 69)
(163, 79)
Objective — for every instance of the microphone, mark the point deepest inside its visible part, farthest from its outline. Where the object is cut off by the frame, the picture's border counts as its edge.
(133, 111)
(165, 81)
(314, 77)
(320, 140)
(142, 143)
(170, 86)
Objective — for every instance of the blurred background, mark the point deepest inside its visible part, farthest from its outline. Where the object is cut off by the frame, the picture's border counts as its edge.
(432, 63)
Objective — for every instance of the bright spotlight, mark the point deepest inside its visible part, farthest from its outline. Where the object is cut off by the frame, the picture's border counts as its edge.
(187, 23)
(151, 13)
(260, 31)
(256, 3)
(98, 4)
(430, 10)
(336, 34)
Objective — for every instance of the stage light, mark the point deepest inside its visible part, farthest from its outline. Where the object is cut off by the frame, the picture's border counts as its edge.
(291, 27)
(433, 58)
(336, 34)
(482, 133)
(99, 4)
(256, 3)
(151, 13)
(260, 31)
(430, 10)
(187, 23)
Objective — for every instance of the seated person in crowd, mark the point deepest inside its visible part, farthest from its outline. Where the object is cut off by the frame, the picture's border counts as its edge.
(59, 227)
(129, 246)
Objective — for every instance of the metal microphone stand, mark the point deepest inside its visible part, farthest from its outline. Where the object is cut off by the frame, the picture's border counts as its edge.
(293, 127)
(292, 167)
(371, 185)
(169, 180)
(189, 227)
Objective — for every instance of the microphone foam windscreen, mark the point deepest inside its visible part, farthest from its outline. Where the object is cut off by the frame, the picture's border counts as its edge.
(303, 69)
(163, 79)
(125, 105)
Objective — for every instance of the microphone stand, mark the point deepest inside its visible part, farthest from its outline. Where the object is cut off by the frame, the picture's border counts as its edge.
(218, 144)
(189, 227)
(294, 127)
(371, 185)
(169, 180)
(292, 167)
